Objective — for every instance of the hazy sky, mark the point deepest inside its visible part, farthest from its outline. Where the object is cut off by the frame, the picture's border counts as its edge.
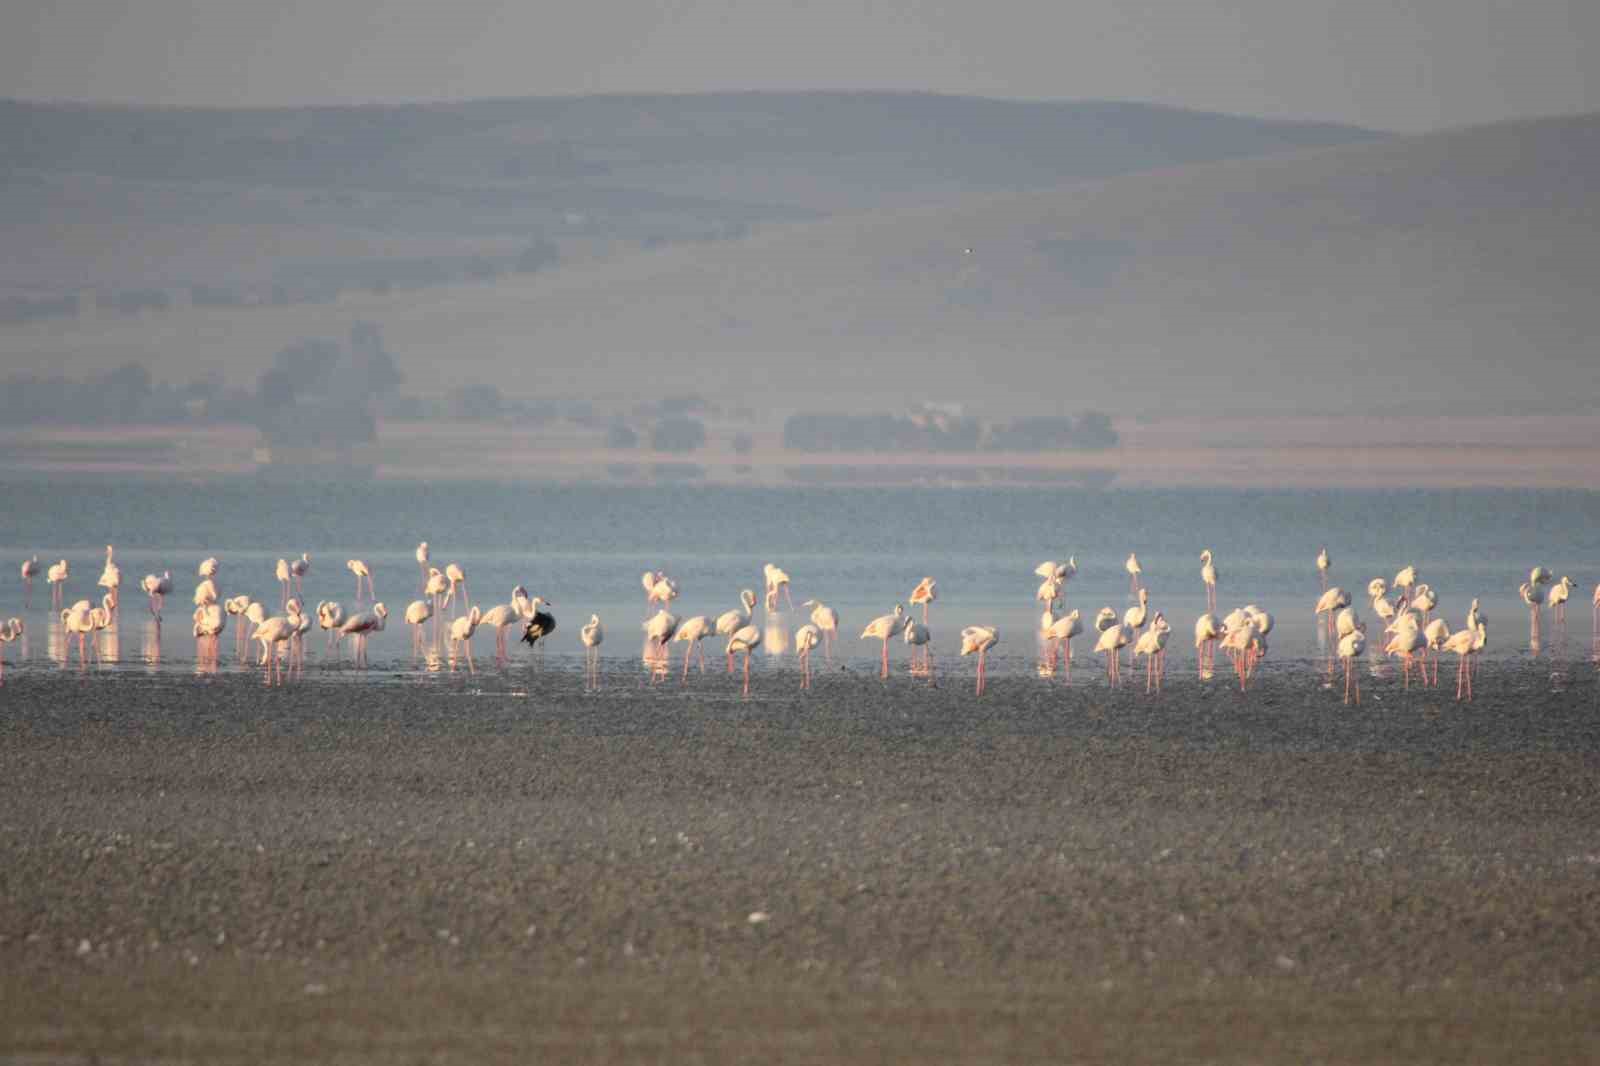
(1394, 64)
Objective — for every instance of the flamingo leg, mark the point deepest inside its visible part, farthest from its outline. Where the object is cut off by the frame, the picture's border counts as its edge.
(884, 673)
(747, 671)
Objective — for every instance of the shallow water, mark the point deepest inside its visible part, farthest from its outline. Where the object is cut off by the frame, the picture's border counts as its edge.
(859, 550)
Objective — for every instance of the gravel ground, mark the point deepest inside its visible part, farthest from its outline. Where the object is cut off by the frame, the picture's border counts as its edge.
(508, 868)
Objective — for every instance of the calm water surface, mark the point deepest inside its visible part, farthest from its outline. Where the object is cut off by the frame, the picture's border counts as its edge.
(860, 550)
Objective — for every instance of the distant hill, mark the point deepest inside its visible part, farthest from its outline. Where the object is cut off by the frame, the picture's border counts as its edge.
(319, 200)
(1443, 273)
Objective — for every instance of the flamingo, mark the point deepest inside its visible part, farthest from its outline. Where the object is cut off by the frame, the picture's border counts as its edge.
(925, 593)
(298, 568)
(208, 567)
(1595, 624)
(1134, 617)
(422, 566)
(456, 576)
(111, 580)
(692, 631)
(1434, 636)
(236, 606)
(1533, 596)
(807, 637)
(658, 630)
(1207, 631)
(592, 636)
(777, 579)
(361, 625)
(1240, 642)
(102, 617)
(78, 620)
(205, 592)
(297, 640)
(272, 632)
(359, 568)
(209, 621)
(30, 570)
(917, 636)
(826, 619)
(541, 624)
(1332, 601)
(884, 627)
(1324, 563)
(980, 639)
(285, 580)
(1061, 572)
(330, 616)
(1557, 597)
(11, 630)
(1134, 570)
(663, 592)
(255, 613)
(1406, 643)
(461, 630)
(1424, 600)
(1058, 635)
(1351, 647)
(1377, 587)
(57, 577)
(730, 622)
(1208, 574)
(1405, 580)
(500, 618)
(744, 639)
(417, 614)
(157, 589)
(1539, 576)
(1048, 592)
(435, 588)
(1113, 639)
(1152, 644)
(1263, 623)
(1104, 619)
(1463, 642)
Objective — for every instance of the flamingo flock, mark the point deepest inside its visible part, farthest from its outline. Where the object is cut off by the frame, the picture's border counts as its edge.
(1406, 607)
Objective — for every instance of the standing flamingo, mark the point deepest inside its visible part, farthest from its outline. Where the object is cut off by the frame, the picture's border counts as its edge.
(826, 619)
(658, 630)
(1113, 639)
(1557, 598)
(285, 581)
(111, 581)
(1462, 642)
(925, 593)
(1332, 601)
(1208, 574)
(205, 592)
(456, 576)
(541, 623)
(592, 636)
(1324, 563)
(917, 636)
(1239, 641)
(359, 568)
(1058, 635)
(1152, 644)
(1434, 636)
(884, 627)
(330, 616)
(57, 577)
(777, 580)
(1207, 632)
(806, 637)
(730, 622)
(78, 620)
(1407, 642)
(980, 639)
(744, 640)
(1533, 596)
(30, 570)
(271, 633)
(1048, 592)
(1406, 580)
(416, 616)
(298, 568)
(1134, 570)
(208, 567)
(692, 631)
(461, 630)
(209, 621)
(157, 589)
(500, 618)
(360, 626)
(1351, 647)
(422, 566)
(9, 631)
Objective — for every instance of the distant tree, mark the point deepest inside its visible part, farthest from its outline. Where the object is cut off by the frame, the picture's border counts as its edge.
(620, 436)
(678, 435)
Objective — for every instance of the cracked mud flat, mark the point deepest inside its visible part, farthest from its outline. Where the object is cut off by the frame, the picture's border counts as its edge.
(508, 869)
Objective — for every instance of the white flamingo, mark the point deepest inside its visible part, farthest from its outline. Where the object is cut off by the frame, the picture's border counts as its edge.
(210, 619)
(1113, 639)
(806, 637)
(925, 593)
(456, 577)
(1208, 574)
(745, 639)
(1352, 646)
(57, 577)
(1557, 598)
(298, 568)
(9, 631)
(500, 618)
(826, 619)
(330, 616)
(777, 580)
(205, 592)
(271, 633)
(416, 616)
(658, 630)
(78, 620)
(884, 627)
(362, 625)
(285, 581)
(1134, 570)
(592, 636)
(111, 580)
(208, 567)
(1207, 632)
(730, 622)
(361, 571)
(918, 636)
(461, 630)
(157, 589)
(1152, 644)
(1324, 563)
(1058, 637)
(1533, 596)
(692, 631)
(979, 639)
(422, 566)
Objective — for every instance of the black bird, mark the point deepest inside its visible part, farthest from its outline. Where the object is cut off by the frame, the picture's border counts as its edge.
(540, 625)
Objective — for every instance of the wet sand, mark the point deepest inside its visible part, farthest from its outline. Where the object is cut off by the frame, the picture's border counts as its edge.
(505, 868)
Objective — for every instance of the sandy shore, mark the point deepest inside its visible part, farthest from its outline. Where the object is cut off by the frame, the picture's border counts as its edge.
(509, 869)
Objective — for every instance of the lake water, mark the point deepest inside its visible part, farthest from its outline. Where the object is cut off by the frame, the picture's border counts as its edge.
(583, 548)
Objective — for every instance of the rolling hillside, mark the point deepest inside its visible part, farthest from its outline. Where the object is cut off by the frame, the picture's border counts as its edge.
(1445, 273)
